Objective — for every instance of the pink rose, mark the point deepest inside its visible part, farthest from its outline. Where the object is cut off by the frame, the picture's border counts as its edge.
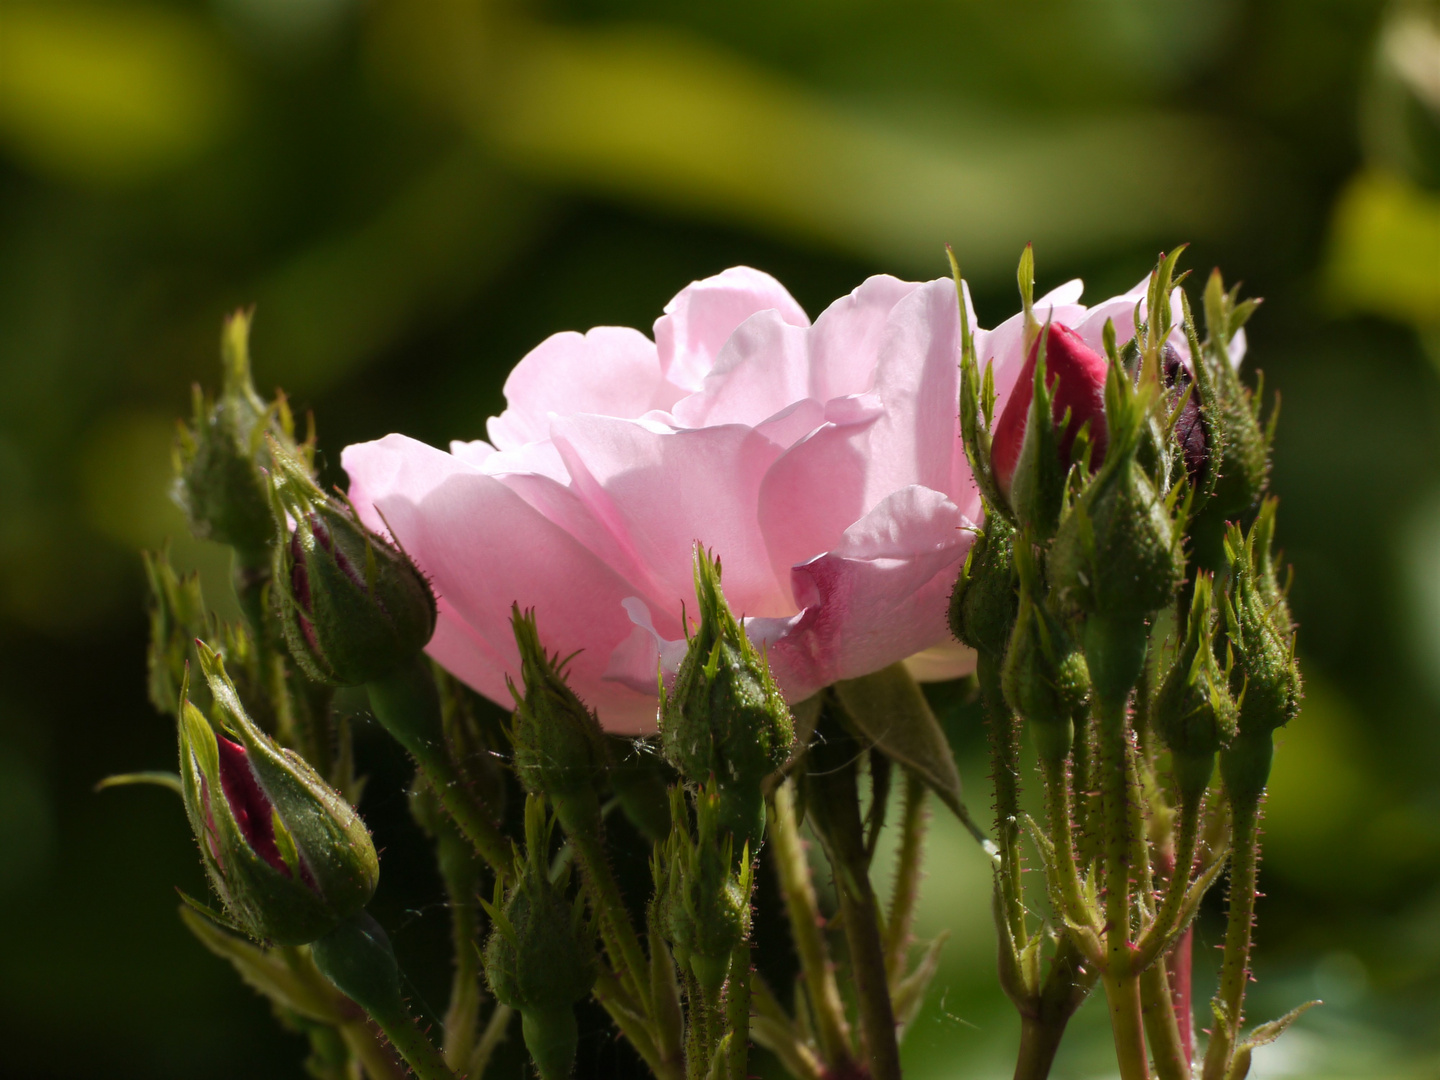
(821, 462)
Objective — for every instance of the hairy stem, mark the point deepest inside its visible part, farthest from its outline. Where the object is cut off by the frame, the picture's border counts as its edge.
(832, 1030)
(1003, 732)
(407, 704)
(1235, 967)
(906, 893)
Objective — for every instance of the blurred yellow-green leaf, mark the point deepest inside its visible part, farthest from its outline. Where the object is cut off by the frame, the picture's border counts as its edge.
(112, 92)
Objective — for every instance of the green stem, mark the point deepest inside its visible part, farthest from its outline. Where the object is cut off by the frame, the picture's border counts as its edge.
(1122, 988)
(408, 705)
(493, 1036)
(460, 872)
(614, 999)
(1122, 995)
(832, 1030)
(371, 1052)
(1162, 1029)
(1168, 918)
(579, 815)
(1235, 967)
(1039, 1043)
(906, 893)
(1003, 731)
(1062, 840)
(835, 803)
(737, 1013)
(356, 957)
(1085, 804)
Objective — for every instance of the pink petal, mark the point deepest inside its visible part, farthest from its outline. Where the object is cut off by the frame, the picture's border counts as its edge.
(879, 597)
(845, 340)
(444, 512)
(611, 370)
(762, 368)
(661, 490)
(704, 315)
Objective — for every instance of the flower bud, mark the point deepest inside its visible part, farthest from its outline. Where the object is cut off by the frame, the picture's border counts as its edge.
(288, 855)
(1077, 374)
(177, 614)
(354, 606)
(984, 602)
(559, 745)
(220, 461)
(1194, 712)
(704, 901)
(1191, 433)
(1044, 676)
(540, 958)
(724, 717)
(1266, 675)
(1118, 549)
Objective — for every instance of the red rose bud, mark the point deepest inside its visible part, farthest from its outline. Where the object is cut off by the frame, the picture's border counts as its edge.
(354, 607)
(288, 856)
(1077, 374)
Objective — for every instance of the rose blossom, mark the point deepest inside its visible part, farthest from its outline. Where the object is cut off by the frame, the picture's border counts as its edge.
(821, 462)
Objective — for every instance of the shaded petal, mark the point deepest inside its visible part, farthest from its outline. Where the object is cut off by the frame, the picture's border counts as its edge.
(705, 313)
(660, 490)
(611, 370)
(762, 368)
(881, 595)
(845, 340)
(443, 512)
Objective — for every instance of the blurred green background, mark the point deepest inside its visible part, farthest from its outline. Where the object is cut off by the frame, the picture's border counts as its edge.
(414, 192)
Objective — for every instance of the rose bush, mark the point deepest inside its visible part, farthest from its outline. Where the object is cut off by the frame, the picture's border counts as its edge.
(821, 462)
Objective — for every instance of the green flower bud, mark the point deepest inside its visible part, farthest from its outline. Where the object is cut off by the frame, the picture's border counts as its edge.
(1194, 711)
(540, 958)
(1118, 549)
(724, 717)
(1266, 675)
(1240, 442)
(288, 855)
(354, 606)
(177, 615)
(559, 744)
(704, 902)
(984, 603)
(221, 460)
(1044, 676)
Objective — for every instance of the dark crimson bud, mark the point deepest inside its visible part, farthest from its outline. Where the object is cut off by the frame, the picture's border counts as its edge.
(1077, 374)
(1190, 435)
(288, 856)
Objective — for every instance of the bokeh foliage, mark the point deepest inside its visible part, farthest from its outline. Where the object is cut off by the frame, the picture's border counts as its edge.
(414, 192)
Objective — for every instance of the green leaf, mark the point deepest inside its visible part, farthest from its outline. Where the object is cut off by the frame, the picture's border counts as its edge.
(287, 976)
(888, 708)
(156, 778)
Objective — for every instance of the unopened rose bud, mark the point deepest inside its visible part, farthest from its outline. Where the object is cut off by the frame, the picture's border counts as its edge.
(724, 716)
(1044, 676)
(704, 900)
(354, 606)
(540, 959)
(1117, 556)
(221, 459)
(559, 745)
(1191, 435)
(984, 603)
(177, 614)
(1266, 676)
(289, 857)
(1194, 711)
(1078, 375)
